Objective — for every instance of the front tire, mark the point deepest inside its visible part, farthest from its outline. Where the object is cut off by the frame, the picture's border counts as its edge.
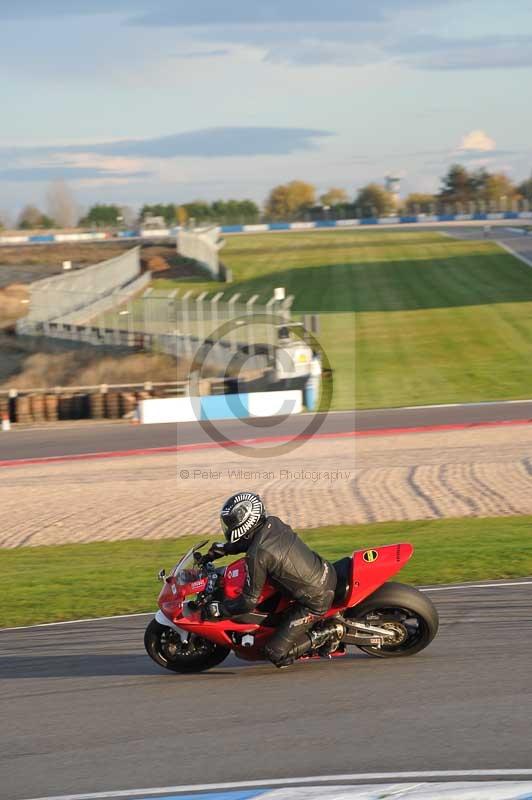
(403, 610)
(164, 646)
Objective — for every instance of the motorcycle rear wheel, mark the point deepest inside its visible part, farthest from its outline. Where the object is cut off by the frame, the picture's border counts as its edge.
(401, 609)
(165, 647)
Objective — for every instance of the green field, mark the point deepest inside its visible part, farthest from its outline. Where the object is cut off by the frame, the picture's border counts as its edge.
(43, 584)
(430, 319)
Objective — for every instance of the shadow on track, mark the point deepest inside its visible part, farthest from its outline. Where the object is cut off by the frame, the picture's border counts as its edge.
(94, 665)
(88, 665)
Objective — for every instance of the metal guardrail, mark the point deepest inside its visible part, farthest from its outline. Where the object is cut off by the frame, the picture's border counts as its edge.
(180, 387)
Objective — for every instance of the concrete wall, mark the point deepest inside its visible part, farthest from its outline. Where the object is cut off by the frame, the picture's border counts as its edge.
(223, 406)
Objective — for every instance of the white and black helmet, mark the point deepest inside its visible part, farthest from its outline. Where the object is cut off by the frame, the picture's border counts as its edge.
(241, 515)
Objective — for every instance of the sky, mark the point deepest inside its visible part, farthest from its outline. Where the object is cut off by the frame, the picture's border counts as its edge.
(134, 101)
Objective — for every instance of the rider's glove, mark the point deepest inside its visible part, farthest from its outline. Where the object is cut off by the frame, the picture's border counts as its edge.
(216, 550)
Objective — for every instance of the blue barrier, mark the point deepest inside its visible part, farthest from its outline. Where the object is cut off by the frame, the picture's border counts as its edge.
(285, 226)
(40, 239)
(233, 228)
(225, 406)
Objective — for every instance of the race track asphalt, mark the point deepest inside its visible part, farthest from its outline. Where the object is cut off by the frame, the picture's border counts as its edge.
(96, 437)
(84, 709)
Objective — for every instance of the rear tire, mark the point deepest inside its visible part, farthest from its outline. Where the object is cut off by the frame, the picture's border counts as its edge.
(164, 646)
(403, 609)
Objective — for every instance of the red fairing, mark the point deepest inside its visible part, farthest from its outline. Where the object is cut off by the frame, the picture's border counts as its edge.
(373, 567)
(173, 595)
(235, 578)
(369, 570)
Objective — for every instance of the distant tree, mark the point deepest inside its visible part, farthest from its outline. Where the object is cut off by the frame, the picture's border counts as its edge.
(249, 212)
(525, 189)
(199, 211)
(61, 205)
(290, 200)
(233, 212)
(419, 203)
(492, 187)
(167, 211)
(334, 197)
(458, 185)
(181, 215)
(374, 201)
(6, 221)
(47, 222)
(101, 216)
(30, 218)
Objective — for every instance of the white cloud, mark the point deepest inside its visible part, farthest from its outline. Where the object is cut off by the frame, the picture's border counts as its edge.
(479, 141)
(114, 164)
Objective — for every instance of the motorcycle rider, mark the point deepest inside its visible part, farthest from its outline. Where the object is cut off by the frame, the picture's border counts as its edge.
(275, 552)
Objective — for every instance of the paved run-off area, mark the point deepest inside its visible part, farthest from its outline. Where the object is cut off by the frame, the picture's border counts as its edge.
(88, 711)
(476, 472)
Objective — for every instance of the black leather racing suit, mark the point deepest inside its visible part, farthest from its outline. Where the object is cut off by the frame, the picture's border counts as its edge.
(277, 553)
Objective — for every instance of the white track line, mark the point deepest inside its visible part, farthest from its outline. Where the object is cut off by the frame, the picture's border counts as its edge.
(514, 253)
(76, 621)
(502, 774)
(457, 587)
(479, 404)
(475, 586)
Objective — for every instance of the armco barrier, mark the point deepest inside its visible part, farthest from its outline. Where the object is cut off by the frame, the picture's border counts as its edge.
(53, 298)
(225, 406)
(84, 315)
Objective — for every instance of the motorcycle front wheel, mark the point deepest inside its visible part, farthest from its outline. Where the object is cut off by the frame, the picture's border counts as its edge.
(164, 646)
(403, 610)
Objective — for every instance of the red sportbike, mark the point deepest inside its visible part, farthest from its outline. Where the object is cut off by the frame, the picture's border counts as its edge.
(382, 619)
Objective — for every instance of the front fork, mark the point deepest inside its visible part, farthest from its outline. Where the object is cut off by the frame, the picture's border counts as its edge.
(162, 619)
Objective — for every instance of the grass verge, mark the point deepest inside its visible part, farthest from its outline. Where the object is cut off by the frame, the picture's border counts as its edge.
(430, 319)
(45, 584)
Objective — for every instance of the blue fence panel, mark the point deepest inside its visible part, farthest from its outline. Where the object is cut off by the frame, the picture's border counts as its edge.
(511, 215)
(279, 226)
(45, 237)
(325, 223)
(232, 228)
(225, 406)
(446, 217)
(409, 219)
(369, 221)
(128, 234)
